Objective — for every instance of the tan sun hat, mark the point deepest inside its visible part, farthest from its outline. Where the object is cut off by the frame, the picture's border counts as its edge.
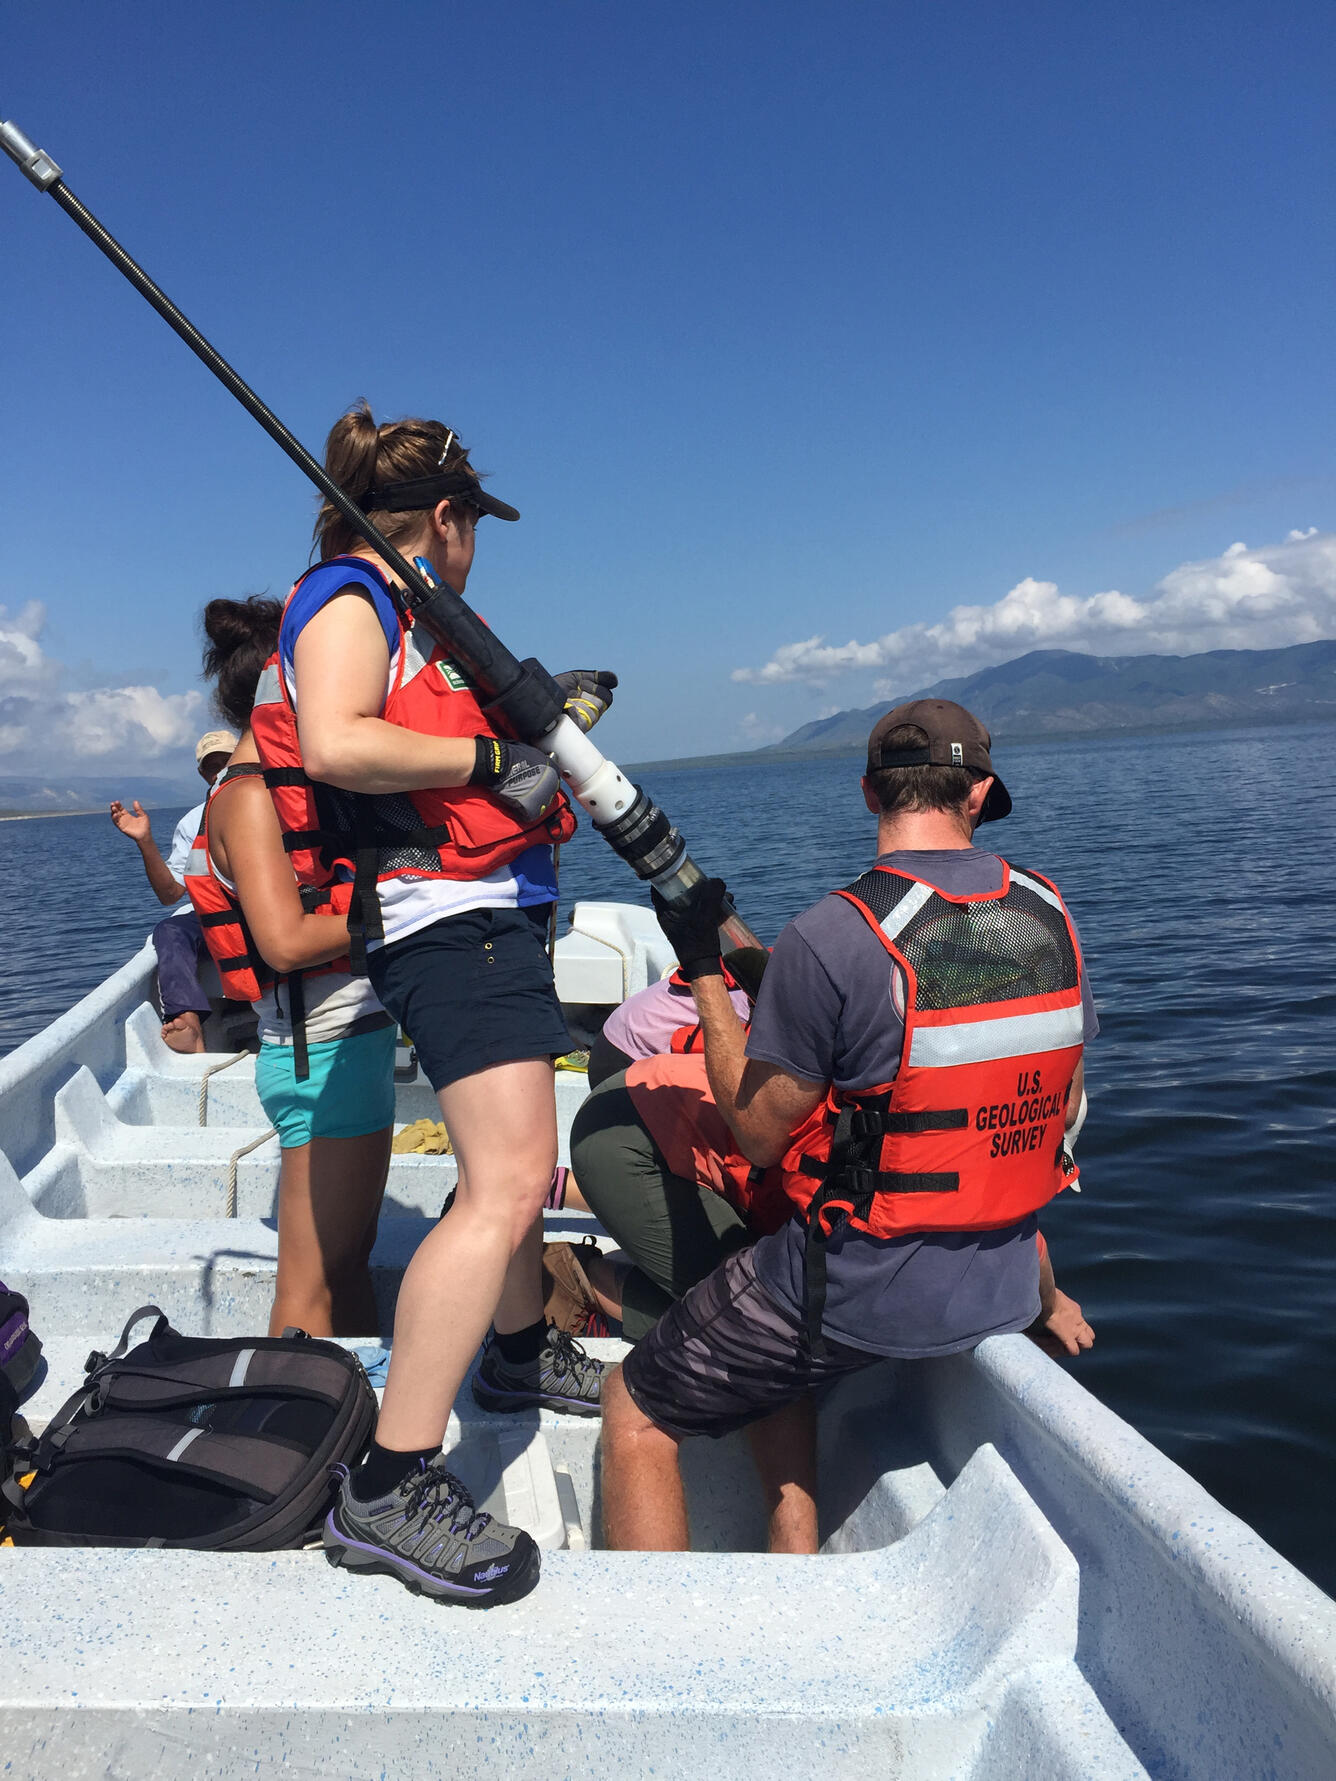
(216, 742)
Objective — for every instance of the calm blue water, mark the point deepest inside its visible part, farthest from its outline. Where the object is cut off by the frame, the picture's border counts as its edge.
(1203, 1246)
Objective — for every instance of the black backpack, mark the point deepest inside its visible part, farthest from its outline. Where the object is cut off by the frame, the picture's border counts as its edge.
(20, 1352)
(223, 1445)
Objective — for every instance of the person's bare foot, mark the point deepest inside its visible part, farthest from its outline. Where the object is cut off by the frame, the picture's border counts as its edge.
(184, 1032)
(1064, 1330)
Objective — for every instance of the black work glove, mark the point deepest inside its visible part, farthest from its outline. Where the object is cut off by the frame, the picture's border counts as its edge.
(588, 694)
(691, 926)
(519, 775)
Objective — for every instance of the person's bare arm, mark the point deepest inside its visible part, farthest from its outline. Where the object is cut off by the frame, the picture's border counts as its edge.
(341, 662)
(135, 824)
(1078, 1089)
(763, 1104)
(1061, 1327)
(247, 845)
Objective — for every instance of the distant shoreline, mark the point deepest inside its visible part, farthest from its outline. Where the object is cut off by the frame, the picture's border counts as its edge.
(95, 810)
(1001, 738)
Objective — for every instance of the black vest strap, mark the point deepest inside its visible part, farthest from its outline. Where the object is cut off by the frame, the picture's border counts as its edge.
(301, 1057)
(364, 918)
(849, 1182)
(247, 961)
(313, 838)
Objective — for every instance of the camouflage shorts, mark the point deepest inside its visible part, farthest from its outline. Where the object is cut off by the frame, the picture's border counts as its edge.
(727, 1354)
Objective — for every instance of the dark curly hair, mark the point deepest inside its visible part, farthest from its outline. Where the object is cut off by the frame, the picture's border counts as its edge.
(242, 635)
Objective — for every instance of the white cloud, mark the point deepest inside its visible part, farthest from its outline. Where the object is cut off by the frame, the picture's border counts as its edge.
(131, 717)
(758, 731)
(42, 721)
(1242, 599)
(21, 660)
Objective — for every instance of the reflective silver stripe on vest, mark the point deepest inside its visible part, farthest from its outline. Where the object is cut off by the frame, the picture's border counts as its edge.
(197, 866)
(269, 687)
(184, 1442)
(414, 660)
(982, 1041)
(240, 1367)
(1040, 890)
(906, 909)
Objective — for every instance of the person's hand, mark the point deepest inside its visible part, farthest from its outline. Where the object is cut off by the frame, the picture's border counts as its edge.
(134, 823)
(588, 694)
(691, 926)
(519, 775)
(1064, 1330)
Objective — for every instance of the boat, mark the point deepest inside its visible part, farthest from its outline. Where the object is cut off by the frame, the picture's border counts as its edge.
(1013, 1583)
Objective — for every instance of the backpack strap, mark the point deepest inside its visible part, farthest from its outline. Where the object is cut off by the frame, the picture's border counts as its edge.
(258, 1468)
(96, 1361)
(237, 1371)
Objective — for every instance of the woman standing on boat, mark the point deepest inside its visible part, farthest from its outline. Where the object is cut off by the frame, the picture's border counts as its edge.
(450, 829)
(325, 1073)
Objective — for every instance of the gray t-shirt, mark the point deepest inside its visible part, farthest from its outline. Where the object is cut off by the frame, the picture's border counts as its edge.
(827, 1011)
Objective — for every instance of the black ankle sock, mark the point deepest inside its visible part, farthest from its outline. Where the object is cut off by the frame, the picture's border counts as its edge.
(382, 1469)
(522, 1346)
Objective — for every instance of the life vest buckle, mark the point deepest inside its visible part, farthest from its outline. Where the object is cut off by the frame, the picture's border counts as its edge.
(866, 1122)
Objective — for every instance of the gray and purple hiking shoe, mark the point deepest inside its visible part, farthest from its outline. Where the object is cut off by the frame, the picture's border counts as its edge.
(427, 1533)
(563, 1377)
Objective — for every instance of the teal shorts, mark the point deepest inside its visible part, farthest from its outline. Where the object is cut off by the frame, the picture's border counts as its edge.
(349, 1092)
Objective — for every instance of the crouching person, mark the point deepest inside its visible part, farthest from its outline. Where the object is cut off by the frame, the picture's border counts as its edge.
(913, 1061)
(662, 1172)
(669, 1183)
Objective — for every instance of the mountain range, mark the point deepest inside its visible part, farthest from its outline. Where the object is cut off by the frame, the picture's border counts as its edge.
(62, 795)
(1061, 692)
(1049, 692)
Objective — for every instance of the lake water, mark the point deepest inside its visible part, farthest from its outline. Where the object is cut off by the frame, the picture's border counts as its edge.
(1203, 1247)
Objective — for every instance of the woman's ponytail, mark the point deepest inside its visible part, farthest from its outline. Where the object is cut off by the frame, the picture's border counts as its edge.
(242, 635)
(359, 454)
(350, 459)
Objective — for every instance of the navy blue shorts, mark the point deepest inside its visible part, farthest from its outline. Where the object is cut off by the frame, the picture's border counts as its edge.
(473, 990)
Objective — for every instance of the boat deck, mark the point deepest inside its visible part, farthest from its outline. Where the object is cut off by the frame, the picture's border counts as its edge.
(1013, 1583)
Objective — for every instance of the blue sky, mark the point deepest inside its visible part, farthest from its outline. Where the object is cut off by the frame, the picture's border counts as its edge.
(778, 323)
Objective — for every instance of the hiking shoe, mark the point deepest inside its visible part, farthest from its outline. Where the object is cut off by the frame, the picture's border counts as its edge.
(428, 1534)
(568, 1299)
(563, 1377)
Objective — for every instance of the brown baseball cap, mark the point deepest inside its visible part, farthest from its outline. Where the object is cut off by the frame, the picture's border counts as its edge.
(952, 737)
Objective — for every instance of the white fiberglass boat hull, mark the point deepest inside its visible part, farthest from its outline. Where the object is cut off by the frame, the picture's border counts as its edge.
(1014, 1583)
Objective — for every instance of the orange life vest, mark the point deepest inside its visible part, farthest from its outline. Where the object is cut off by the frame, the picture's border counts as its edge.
(455, 832)
(691, 1036)
(671, 1095)
(969, 1135)
(243, 973)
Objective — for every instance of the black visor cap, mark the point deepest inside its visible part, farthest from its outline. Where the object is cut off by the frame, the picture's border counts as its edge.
(426, 491)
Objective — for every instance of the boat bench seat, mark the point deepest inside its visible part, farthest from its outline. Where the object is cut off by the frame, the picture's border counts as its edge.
(102, 1165)
(871, 1663)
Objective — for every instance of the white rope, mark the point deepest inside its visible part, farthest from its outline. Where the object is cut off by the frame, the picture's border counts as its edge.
(202, 1105)
(232, 1162)
(625, 957)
